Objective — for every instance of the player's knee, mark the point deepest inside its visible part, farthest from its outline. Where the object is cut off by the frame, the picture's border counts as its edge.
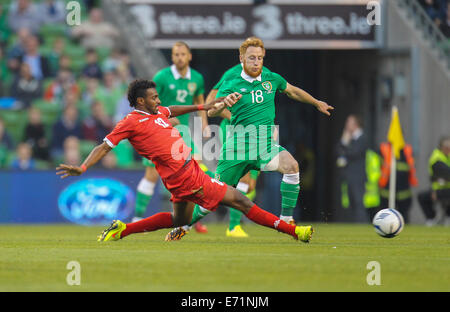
(242, 203)
(291, 167)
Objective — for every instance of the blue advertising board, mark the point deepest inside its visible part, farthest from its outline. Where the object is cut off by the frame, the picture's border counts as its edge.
(95, 198)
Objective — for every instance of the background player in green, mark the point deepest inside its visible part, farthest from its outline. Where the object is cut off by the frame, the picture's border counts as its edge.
(256, 112)
(178, 84)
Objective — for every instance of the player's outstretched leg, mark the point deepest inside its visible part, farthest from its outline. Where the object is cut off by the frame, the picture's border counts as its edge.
(118, 230)
(235, 199)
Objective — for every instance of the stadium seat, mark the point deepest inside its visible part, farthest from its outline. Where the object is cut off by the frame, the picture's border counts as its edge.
(86, 147)
(15, 122)
(50, 111)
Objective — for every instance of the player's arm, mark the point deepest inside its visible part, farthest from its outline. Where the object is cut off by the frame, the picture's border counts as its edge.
(200, 100)
(177, 110)
(220, 109)
(225, 113)
(94, 157)
(300, 95)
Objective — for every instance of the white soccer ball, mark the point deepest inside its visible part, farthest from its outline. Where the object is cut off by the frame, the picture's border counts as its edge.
(388, 223)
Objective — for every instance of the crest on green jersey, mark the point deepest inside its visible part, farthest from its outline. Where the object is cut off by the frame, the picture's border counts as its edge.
(267, 86)
(191, 87)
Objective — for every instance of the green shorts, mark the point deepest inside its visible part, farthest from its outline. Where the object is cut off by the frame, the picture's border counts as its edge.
(231, 168)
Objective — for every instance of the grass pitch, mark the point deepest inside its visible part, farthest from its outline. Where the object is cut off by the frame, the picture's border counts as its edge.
(35, 258)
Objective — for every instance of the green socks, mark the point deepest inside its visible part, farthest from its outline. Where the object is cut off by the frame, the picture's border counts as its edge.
(144, 194)
(142, 201)
(290, 188)
(198, 214)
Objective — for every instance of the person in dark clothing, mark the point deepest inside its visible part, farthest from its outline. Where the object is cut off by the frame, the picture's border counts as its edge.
(25, 87)
(35, 135)
(351, 160)
(68, 125)
(439, 169)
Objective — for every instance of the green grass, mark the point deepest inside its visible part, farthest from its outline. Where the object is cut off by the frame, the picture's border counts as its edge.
(34, 258)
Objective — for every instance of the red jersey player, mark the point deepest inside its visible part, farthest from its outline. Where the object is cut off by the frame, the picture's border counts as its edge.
(149, 131)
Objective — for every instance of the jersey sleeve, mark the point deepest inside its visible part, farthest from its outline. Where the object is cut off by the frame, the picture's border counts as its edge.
(225, 89)
(165, 111)
(200, 86)
(280, 82)
(120, 132)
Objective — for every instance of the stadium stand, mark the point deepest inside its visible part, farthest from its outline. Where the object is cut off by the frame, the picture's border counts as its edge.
(65, 76)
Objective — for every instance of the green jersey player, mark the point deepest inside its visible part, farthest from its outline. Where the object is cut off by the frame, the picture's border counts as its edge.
(178, 84)
(251, 145)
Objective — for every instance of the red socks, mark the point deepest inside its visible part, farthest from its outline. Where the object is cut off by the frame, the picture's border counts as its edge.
(265, 218)
(158, 221)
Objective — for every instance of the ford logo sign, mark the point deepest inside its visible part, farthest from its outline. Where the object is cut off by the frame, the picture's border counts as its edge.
(96, 201)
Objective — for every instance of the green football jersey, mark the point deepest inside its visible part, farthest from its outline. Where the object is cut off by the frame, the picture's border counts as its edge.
(257, 105)
(176, 90)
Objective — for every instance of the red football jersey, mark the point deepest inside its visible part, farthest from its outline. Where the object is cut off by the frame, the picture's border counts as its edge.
(154, 138)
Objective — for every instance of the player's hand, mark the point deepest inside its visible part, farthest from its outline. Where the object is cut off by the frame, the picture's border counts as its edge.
(206, 132)
(232, 99)
(324, 108)
(67, 170)
(174, 121)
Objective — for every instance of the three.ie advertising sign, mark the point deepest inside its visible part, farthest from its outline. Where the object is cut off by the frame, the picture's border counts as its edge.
(282, 24)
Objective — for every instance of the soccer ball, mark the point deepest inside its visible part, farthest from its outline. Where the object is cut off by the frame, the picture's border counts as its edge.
(388, 223)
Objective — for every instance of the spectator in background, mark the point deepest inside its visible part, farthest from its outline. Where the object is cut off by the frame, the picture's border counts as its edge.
(72, 152)
(55, 55)
(439, 170)
(109, 161)
(24, 14)
(52, 11)
(110, 92)
(39, 65)
(24, 158)
(119, 61)
(352, 162)
(95, 32)
(71, 99)
(26, 88)
(68, 125)
(122, 109)
(88, 95)
(16, 52)
(64, 82)
(92, 68)
(34, 135)
(65, 63)
(98, 124)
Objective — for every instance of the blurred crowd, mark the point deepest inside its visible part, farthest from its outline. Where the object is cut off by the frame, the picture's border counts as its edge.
(61, 88)
(439, 12)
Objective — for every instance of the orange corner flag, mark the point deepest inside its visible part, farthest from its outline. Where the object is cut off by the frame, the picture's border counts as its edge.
(395, 135)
